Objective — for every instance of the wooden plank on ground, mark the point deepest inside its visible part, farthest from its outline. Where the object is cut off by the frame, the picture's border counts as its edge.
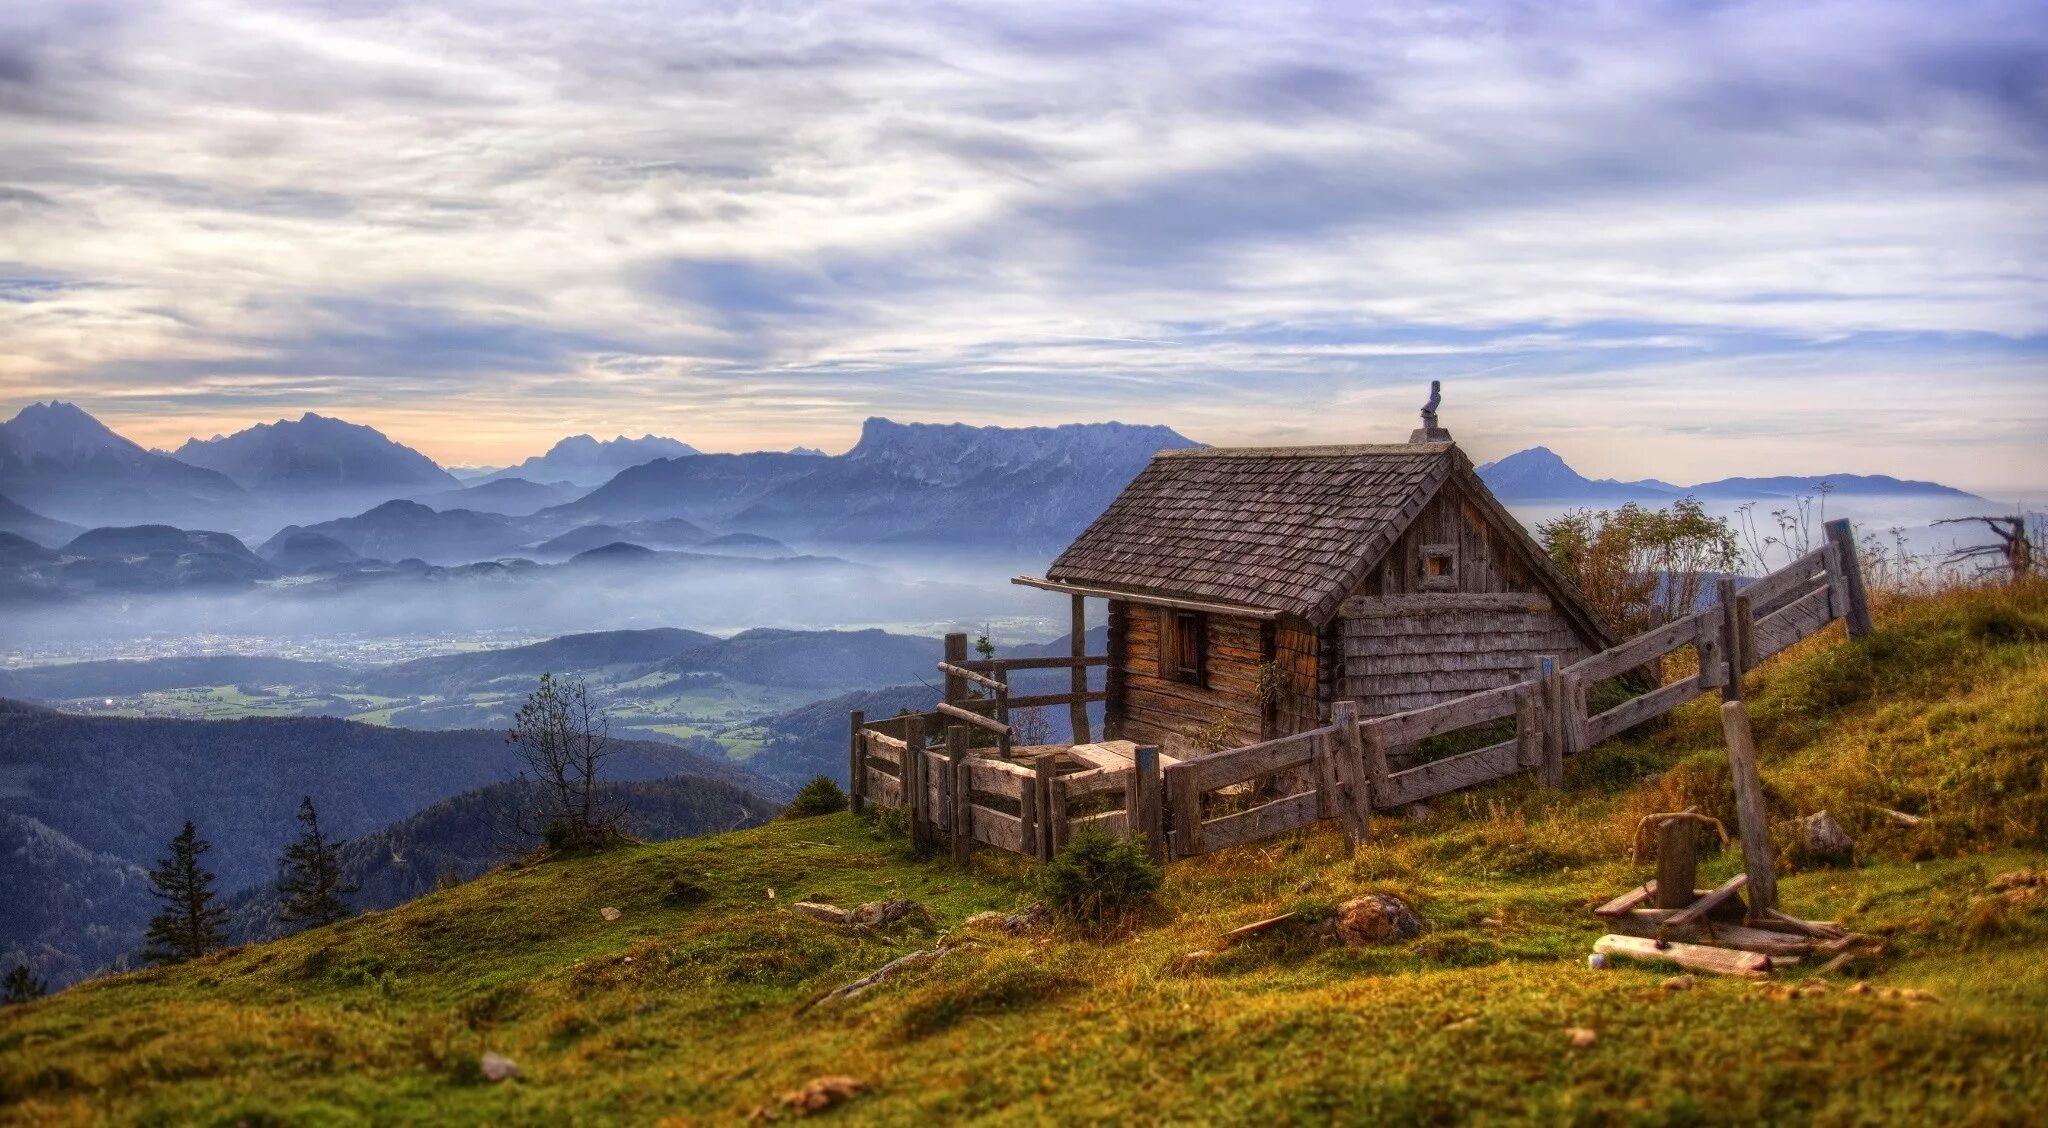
(1796, 620)
(1758, 860)
(1694, 957)
(1649, 922)
(1452, 773)
(1628, 901)
(1636, 710)
(1719, 896)
(1262, 821)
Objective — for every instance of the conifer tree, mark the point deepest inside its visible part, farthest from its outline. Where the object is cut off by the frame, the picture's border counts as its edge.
(21, 985)
(310, 875)
(191, 924)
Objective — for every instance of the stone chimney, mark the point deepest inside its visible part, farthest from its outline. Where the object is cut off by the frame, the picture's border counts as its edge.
(1429, 432)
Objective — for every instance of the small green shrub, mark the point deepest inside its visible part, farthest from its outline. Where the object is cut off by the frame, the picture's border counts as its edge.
(888, 823)
(821, 796)
(1100, 882)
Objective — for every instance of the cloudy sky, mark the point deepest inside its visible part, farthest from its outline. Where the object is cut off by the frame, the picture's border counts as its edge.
(1686, 239)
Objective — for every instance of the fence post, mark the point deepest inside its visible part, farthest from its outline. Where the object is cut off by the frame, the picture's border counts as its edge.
(1529, 720)
(1149, 818)
(1355, 792)
(1043, 769)
(1557, 723)
(1856, 616)
(1003, 739)
(961, 792)
(857, 765)
(1187, 810)
(1077, 681)
(1755, 831)
(1323, 761)
(916, 793)
(956, 653)
(1731, 638)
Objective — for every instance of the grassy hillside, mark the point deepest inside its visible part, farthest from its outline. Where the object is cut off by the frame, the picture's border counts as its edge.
(686, 1009)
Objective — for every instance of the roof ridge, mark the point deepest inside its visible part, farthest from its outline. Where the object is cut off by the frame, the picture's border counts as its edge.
(1332, 451)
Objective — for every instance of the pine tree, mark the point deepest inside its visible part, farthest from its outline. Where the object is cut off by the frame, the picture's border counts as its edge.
(310, 876)
(21, 985)
(192, 924)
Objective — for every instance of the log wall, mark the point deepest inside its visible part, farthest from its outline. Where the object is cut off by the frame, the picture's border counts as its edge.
(1166, 712)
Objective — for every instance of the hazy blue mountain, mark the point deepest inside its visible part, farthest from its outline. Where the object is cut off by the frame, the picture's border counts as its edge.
(746, 544)
(1029, 488)
(512, 497)
(667, 532)
(397, 530)
(118, 787)
(823, 659)
(451, 673)
(17, 550)
(580, 539)
(814, 451)
(1844, 485)
(703, 488)
(64, 464)
(301, 550)
(122, 677)
(132, 559)
(25, 522)
(1539, 475)
(586, 461)
(316, 456)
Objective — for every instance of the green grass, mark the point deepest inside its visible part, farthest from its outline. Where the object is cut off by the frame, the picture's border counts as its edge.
(689, 1013)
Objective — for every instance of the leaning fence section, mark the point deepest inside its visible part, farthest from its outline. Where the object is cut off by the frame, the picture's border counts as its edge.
(1032, 801)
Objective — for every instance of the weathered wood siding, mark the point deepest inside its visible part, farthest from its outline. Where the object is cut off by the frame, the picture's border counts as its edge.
(1297, 679)
(1166, 712)
(1426, 644)
(1421, 655)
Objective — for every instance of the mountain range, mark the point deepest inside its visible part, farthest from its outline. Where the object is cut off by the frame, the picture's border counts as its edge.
(63, 464)
(318, 457)
(1540, 475)
(584, 461)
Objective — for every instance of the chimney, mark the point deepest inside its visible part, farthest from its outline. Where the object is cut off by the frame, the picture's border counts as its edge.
(1429, 432)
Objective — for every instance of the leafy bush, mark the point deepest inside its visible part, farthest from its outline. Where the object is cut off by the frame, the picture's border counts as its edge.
(821, 796)
(1098, 881)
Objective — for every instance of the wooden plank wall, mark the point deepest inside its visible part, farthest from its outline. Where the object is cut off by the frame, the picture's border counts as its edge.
(1160, 711)
(1485, 562)
(1297, 664)
(1418, 655)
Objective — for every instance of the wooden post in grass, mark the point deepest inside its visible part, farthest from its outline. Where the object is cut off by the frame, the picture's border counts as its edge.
(1354, 789)
(1187, 809)
(1754, 827)
(1556, 722)
(1077, 680)
(1529, 734)
(1043, 778)
(916, 793)
(962, 792)
(857, 765)
(1148, 814)
(1731, 638)
(956, 653)
(1677, 862)
(1856, 616)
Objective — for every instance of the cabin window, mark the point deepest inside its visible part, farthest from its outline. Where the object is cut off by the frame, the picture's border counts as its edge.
(1439, 567)
(1190, 647)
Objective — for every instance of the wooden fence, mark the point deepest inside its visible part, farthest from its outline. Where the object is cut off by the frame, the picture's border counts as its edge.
(1343, 770)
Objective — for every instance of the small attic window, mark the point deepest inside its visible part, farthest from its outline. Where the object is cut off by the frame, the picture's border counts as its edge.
(1439, 567)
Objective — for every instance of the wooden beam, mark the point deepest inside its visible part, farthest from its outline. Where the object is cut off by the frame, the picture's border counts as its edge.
(1148, 806)
(1379, 606)
(1077, 649)
(956, 653)
(1354, 788)
(1677, 863)
(1688, 915)
(1044, 771)
(973, 718)
(1628, 901)
(1186, 793)
(857, 766)
(964, 674)
(962, 794)
(1719, 961)
(1731, 638)
(1048, 662)
(1178, 603)
(1758, 862)
(916, 788)
(1857, 615)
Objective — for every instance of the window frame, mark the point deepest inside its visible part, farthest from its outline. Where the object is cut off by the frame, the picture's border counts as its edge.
(1447, 580)
(1190, 640)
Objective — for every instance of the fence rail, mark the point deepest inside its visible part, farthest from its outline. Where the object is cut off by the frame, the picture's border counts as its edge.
(1340, 771)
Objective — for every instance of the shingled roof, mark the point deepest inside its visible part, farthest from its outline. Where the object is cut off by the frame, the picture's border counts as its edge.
(1286, 529)
(1289, 529)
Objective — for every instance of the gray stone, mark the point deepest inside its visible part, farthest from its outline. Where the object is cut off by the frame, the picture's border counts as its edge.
(1376, 918)
(498, 1067)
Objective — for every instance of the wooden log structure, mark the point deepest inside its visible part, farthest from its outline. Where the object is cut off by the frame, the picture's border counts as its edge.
(1693, 957)
(1345, 750)
(1148, 802)
(1849, 566)
(1677, 862)
(917, 789)
(1732, 631)
(962, 794)
(1043, 776)
(1077, 710)
(973, 718)
(857, 765)
(1758, 862)
(956, 653)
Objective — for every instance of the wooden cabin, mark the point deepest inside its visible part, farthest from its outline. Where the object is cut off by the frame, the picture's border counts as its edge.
(1250, 588)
